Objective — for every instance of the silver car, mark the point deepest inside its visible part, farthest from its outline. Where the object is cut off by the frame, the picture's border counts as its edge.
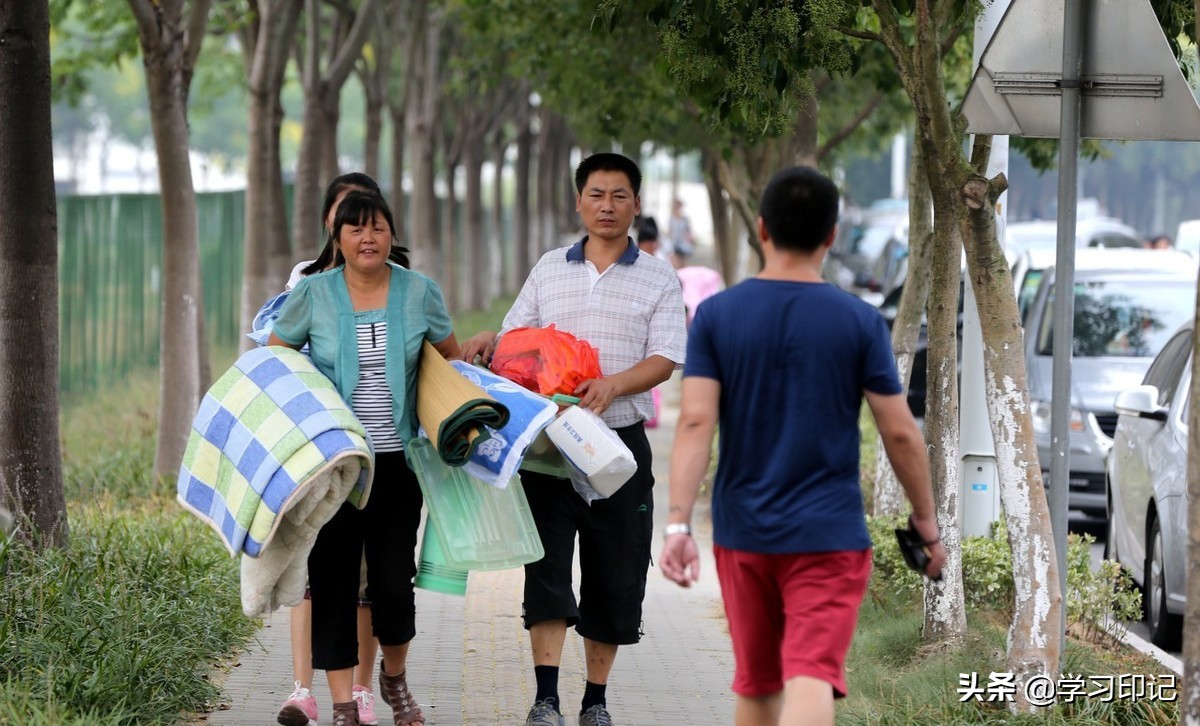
(1147, 488)
(1127, 304)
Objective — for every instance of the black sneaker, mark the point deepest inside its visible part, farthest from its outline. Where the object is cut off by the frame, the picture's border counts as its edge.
(595, 716)
(543, 713)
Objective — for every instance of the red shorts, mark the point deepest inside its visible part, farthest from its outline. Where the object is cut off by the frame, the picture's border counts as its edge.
(791, 615)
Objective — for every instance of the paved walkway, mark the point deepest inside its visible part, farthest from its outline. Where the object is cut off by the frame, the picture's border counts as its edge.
(470, 662)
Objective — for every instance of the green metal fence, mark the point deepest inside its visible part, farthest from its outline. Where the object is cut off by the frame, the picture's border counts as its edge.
(110, 281)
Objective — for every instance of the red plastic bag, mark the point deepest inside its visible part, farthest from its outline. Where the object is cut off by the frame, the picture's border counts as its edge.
(545, 360)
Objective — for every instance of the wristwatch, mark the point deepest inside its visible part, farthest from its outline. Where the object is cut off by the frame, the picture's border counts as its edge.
(677, 528)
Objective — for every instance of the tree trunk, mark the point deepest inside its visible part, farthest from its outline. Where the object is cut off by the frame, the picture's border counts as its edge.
(31, 480)
(1035, 636)
(330, 168)
(961, 194)
(317, 163)
(522, 225)
(1190, 710)
(400, 210)
(448, 242)
(906, 328)
(169, 51)
(422, 113)
(501, 260)
(180, 384)
(724, 236)
(258, 282)
(306, 199)
(945, 613)
(266, 44)
(548, 175)
(400, 22)
(374, 129)
(475, 248)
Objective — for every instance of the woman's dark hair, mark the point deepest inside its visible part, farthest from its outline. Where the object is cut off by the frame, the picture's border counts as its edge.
(355, 180)
(360, 207)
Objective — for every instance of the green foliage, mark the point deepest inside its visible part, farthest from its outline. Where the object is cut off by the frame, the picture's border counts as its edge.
(122, 626)
(125, 624)
(1096, 600)
(896, 679)
(470, 322)
(745, 65)
(108, 442)
(87, 35)
(606, 82)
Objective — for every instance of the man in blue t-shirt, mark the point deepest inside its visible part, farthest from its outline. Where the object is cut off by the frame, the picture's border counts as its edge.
(782, 361)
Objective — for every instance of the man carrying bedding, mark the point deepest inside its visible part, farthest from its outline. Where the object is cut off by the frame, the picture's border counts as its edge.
(629, 306)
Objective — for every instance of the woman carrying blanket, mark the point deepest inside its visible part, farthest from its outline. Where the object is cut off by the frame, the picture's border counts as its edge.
(300, 708)
(364, 322)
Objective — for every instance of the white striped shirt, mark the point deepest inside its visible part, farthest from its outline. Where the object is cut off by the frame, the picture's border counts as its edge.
(372, 400)
(629, 312)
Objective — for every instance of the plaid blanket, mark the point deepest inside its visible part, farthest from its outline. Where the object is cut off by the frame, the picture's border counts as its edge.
(274, 452)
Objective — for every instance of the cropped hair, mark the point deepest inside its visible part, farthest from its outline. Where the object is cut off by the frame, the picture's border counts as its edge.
(799, 208)
(360, 207)
(647, 230)
(608, 161)
(353, 180)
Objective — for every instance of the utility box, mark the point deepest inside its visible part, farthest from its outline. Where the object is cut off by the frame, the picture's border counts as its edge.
(979, 494)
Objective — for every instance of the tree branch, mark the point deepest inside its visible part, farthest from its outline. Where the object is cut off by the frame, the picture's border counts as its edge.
(725, 178)
(860, 34)
(145, 14)
(850, 127)
(341, 66)
(194, 39)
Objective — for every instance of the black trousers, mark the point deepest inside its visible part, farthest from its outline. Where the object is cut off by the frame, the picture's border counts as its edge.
(615, 536)
(386, 530)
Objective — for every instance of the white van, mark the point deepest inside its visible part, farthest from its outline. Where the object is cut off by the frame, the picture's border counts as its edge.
(1187, 238)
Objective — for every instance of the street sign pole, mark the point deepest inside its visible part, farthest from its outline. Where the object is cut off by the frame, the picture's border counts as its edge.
(1064, 284)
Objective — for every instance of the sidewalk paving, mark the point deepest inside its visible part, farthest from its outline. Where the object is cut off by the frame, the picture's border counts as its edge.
(470, 661)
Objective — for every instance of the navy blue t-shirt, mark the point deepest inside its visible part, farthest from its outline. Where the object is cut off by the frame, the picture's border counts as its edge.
(793, 360)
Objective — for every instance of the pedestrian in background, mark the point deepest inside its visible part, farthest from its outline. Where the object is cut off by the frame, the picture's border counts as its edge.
(679, 231)
(630, 308)
(782, 362)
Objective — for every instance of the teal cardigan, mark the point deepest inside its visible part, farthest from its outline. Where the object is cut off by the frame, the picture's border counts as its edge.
(318, 311)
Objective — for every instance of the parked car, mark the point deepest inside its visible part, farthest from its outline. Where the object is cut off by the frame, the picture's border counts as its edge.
(1027, 270)
(852, 260)
(917, 379)
(1147, 488)
(1187, 237)
(1090, 232)
(1127, 305)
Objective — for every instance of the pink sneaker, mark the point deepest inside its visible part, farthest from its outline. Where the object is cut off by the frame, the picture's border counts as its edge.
(366, 706)
(300, 709)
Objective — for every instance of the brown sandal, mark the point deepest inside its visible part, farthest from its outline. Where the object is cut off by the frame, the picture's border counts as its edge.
(394, 692)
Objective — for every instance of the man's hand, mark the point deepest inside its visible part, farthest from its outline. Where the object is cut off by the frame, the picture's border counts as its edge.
(482, 345)
(927, 528)
(680, 560)
(596, 394)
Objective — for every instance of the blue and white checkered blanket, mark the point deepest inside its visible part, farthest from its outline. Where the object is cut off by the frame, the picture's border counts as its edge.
(274, 452)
